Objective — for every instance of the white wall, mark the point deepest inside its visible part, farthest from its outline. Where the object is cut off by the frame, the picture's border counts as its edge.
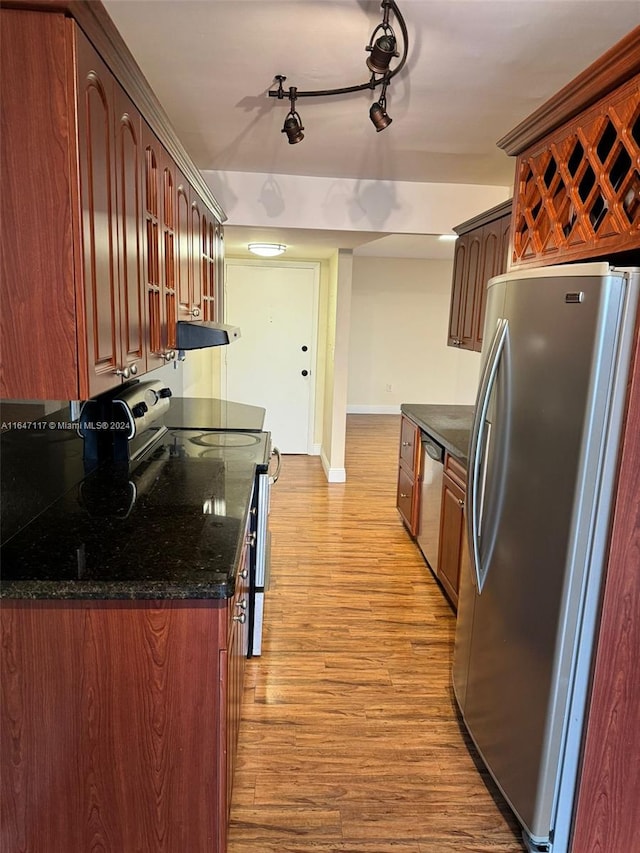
(299, 201)
(337, 365)
(197, 376)
(398, 349)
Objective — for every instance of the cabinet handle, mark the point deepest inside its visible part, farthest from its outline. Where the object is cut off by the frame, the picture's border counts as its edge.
(460, 503)
(124, 372)
(169, 355)
(244, 573)
(134, 369)
(402, 495)
(195, 312)
(406, 444)
(251, 539)
(241, 618)
(242, 604)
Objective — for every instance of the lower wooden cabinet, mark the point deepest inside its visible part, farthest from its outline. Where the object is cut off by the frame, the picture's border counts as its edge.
(114, 735)
(452, 525)
(452, 529)
(408, 493)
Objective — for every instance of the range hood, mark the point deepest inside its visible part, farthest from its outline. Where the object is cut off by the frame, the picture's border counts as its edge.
(198, 335)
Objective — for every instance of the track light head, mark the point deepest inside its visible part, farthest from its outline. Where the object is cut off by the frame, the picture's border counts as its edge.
(293, 128)
(379, 116)
(382, 52)
(293, 123)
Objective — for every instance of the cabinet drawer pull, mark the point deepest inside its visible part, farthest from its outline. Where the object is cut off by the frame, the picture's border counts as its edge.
(195, 312)
(406, 444)
(124, 372)
(241, 618)
(244, 573)
(460, 502)
(402, 495)
(242, 604)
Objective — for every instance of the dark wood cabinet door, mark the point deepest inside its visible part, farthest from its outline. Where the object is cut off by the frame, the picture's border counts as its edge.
(406, 499)
(153, 262)
(481, 252)
(409, 445)
(457, 291)
(209, 272)
(467, 265)
(97, 186)
(408, 492)
(490, 265)
(130, 213)
(169, 252)
(183, 247)
(451, 535)
(198, 231)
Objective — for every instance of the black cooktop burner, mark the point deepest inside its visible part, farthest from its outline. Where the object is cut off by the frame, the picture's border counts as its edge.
(225, 439)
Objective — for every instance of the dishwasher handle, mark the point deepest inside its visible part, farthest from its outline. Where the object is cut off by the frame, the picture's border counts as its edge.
(432, 449)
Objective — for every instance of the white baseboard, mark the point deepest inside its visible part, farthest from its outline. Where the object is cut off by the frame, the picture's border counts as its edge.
(358, 409)
(333, 475)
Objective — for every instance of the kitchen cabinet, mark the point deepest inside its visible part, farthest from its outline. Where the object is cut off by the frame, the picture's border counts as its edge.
(109, 153)
(452, 531)
(106, 204)
(481, 252)
(123, 723)
(577, 189)
(159, 257)
(408, 492)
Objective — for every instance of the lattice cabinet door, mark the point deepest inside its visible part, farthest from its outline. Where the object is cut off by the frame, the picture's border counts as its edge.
(578, 189)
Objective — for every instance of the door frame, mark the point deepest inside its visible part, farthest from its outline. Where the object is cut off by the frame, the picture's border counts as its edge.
(313, 448)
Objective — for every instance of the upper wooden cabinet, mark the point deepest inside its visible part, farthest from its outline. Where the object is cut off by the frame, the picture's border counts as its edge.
(577, 190)
(106, 223)
(109, 154)
(481, 252)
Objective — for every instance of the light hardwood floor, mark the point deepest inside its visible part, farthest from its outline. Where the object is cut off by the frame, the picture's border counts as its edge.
(349, 741)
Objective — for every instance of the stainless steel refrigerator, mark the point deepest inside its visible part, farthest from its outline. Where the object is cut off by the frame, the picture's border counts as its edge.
(542, 468)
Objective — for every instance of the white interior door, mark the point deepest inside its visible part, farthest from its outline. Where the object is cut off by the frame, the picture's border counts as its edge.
(273, 363)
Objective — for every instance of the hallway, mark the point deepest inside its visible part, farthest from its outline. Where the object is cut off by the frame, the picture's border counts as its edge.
(349, 741)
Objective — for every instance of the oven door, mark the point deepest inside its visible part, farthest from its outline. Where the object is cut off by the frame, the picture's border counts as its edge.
(260, 542)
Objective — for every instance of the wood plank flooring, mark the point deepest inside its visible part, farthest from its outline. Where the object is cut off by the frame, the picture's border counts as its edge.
(349, 740)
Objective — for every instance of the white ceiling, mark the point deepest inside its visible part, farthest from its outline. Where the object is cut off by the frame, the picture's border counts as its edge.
(476, 68)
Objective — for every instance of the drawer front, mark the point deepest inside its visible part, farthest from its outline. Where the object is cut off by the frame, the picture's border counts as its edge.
(409, 445)
(406, 499)
(456, 470)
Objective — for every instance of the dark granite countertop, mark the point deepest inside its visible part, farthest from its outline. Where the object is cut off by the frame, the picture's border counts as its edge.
(169, 525)
(211, 413)
(450, 426)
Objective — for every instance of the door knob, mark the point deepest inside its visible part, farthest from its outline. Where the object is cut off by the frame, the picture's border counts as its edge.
(305, 372)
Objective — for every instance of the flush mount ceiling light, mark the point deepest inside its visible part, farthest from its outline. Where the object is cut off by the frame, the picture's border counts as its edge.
(267, 250)
(382, 48)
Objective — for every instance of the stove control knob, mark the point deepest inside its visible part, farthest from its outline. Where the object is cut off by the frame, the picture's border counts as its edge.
(139, 410)
(164, 392)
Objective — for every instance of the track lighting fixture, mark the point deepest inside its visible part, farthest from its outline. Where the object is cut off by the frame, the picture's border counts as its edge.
(292, 123)
(382, 48)
(378, 112)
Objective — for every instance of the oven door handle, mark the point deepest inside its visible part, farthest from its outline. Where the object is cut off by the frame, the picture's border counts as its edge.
(273, 478)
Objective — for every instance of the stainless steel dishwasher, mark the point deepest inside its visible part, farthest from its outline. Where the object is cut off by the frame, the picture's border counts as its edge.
(430, 500)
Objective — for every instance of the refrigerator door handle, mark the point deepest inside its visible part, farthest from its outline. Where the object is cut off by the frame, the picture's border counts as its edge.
(476, 448)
